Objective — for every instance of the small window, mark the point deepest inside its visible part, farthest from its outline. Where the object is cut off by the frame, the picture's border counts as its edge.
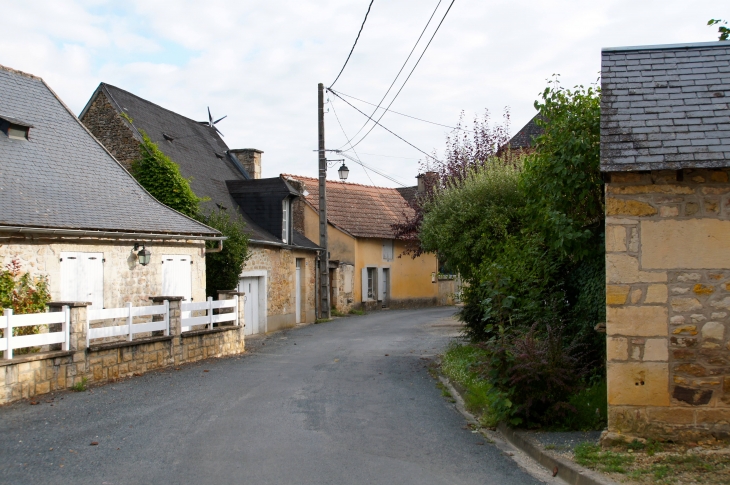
(14, 129)
(371, 283)
(387, 250)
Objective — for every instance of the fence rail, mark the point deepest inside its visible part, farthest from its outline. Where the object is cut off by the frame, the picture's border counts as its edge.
(9, 321)
(209, 319)
(129, 328)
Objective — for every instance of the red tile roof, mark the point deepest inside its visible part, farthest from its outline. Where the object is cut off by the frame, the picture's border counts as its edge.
(361, 210)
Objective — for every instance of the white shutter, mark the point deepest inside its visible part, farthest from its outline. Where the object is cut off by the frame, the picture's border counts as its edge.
(364, 284)
(177, 276)
(82, 278)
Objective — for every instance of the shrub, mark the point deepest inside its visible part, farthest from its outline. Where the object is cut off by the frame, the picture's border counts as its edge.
(538, 370)
(223, 268)
(162, 178)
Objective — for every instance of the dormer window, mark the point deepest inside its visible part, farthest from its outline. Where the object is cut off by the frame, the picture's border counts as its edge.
(286, 221)
(15, 129)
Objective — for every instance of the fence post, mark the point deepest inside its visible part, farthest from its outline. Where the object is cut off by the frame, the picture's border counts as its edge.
(129, 320)
(167, 317)
(210, 312)
(8, 313)
(235, 297)
(66, 327)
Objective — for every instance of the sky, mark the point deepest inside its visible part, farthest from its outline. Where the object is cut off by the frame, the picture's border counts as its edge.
(259, 63)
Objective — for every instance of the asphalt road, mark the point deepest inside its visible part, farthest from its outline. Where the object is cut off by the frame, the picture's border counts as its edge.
(344, 402)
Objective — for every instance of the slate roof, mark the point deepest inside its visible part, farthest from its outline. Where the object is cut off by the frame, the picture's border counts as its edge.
(63, 178)
(199, 151)
(360, 210)
(665, 107)
(525, 137)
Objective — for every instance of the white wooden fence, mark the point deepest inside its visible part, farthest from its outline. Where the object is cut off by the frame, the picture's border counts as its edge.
(9, 321)
(129, 328)
(209, 319)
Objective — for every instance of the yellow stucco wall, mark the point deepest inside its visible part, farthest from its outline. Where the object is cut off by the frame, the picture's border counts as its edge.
(410, 279)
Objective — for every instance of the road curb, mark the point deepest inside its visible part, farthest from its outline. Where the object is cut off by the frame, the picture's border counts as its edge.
(568, 471)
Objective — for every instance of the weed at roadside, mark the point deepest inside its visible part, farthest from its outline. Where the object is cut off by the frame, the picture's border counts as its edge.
(80, 386)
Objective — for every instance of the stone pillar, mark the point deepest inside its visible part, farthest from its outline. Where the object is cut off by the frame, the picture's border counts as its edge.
(228, 295)
(175, 325)
(78, 369)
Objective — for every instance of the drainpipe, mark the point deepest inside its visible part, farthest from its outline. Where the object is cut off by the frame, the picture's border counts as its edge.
(216, 250)
(316, 286)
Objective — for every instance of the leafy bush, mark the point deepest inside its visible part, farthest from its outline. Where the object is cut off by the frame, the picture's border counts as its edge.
(162, 178)
(223, 268)
(538, 370)
(23, 294)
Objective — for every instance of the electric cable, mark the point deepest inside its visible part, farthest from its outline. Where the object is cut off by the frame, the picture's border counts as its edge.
(401, 68)
(358, 161)
(409, 76)
(353, 45)
(403, 114)
(382, 126)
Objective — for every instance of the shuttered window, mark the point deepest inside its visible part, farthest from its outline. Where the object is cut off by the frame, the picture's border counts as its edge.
(82, 278)
(387, 250)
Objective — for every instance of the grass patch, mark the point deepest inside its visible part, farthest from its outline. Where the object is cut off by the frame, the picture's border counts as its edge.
(656, 463)
(355, 311)
(459, 364)
(591, 456)
(80, 386)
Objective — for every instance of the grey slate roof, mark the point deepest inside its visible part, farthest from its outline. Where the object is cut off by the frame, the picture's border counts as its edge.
(526, 136)
(199, 151)
(665, 107)
(62, 178)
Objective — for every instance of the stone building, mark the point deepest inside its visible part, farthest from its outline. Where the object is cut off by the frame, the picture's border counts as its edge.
(365, 268)
(70, 212)
(279, 276)
(665, 153)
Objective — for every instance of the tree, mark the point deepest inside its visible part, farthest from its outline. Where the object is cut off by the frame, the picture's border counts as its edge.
(465, 150)
(722, 30)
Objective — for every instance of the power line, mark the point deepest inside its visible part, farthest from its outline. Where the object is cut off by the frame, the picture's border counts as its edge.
(358, 161)
(401, 68)
(409, 75)
(386, 129)
(403, 114)
(353, 45)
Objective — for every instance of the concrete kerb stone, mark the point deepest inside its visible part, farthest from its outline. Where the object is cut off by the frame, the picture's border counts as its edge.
(568, 471)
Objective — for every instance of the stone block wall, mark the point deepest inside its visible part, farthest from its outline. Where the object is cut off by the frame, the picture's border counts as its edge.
(343, 287)
(112, 130)
(280, 267)
(34, 374)
(668, 304)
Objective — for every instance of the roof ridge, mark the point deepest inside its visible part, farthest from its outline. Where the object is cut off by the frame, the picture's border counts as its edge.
(339, 182)
(21, 73)
(107, 85)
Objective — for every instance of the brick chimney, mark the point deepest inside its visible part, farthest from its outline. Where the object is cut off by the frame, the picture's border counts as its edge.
(428, 179)
(250, 158)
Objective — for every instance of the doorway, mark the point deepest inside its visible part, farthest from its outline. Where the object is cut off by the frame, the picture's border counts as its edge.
(250, 286)
(384, 285)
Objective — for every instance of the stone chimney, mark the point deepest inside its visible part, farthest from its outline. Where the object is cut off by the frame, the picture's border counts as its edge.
(428, 179)
(250, 158)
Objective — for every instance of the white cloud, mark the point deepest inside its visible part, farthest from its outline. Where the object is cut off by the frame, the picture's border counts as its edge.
(260, 63)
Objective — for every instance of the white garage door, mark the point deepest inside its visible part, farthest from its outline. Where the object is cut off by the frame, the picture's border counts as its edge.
(82, 278)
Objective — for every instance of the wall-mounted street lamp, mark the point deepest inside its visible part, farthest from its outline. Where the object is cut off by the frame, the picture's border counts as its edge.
(143, 255)
(343, 172)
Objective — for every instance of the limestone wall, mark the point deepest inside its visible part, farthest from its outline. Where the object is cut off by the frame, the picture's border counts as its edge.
(668, 304)
(111, 130)
(36, 374)
(124, 279)
(280, 267)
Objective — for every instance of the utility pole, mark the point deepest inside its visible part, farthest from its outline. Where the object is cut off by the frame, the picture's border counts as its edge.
(324, 260)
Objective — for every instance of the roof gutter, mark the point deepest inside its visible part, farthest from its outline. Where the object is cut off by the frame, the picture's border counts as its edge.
(282, 245)
(80, 233)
